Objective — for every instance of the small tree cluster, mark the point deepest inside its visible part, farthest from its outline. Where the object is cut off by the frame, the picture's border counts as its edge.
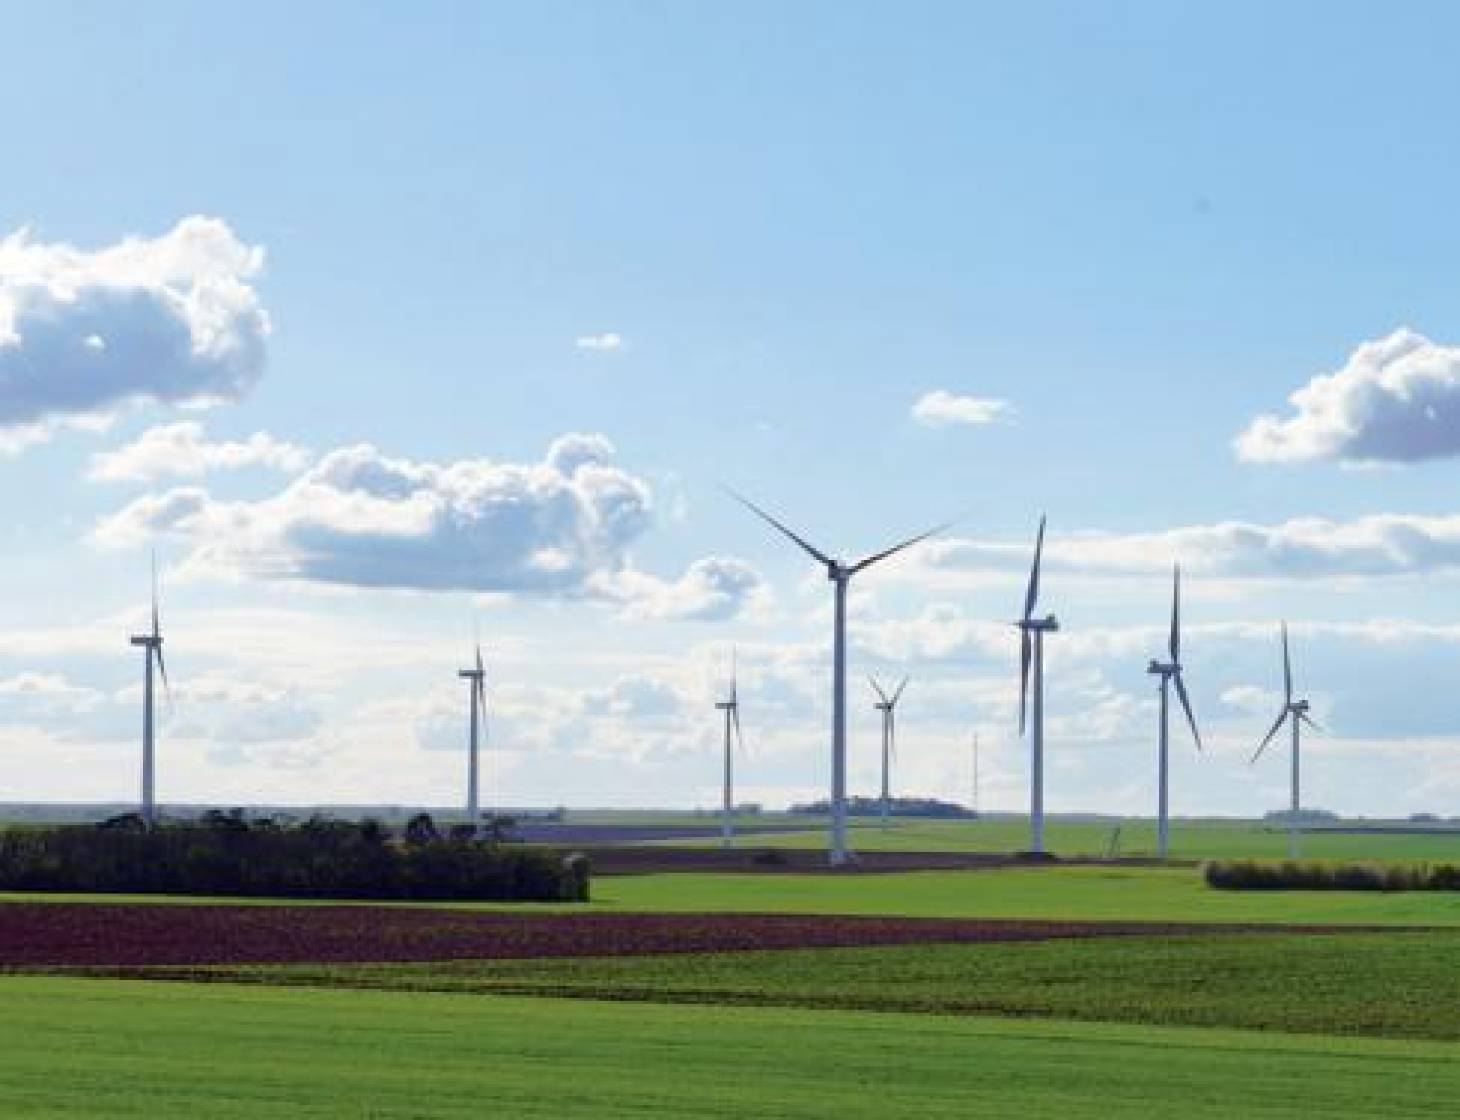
(1312, 876)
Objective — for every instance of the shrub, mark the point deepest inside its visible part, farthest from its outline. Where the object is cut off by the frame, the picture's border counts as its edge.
(225, 854)
(1313, 876)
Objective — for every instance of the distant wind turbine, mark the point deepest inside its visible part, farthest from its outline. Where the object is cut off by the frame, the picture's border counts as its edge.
(1297, 712)
(975, 774)
(1031, 657)
(477, 675)
(1170, 673)
(887, 705)
(840, 576)
(731, 708)
(152, 646)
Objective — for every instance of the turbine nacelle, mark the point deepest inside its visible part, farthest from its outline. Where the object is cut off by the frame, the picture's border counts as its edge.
(1048, 624)
(1163, 668)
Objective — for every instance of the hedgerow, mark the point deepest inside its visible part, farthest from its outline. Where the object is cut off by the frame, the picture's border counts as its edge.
(1317, 876)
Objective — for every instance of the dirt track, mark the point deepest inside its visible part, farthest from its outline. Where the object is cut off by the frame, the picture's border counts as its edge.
(100, 934)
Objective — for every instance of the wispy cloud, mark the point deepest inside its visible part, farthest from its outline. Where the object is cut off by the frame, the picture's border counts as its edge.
(608, 340)
(183, 450)
(941, 409)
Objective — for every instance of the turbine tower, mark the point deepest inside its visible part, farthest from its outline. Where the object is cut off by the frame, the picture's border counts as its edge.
(731, 708)
(1170, 673)
(840, 575)
(888, 707)
(1295, 711)
(975, 774)
(1031, 656)
(477, 675)
(152, 652)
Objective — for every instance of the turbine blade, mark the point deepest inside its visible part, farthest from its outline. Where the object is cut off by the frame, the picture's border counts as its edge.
(877, 688)
(480, 669)
(1287, 668)
(891, 733)
(1266, 739)
(1311, 722)
(1031, 595)
(162, 672)
(1186, 707)
(156, 623)
(768, 519)
(735, 719)
(886, 552)
(896, 696)
(1175, 643)
(1026, 652)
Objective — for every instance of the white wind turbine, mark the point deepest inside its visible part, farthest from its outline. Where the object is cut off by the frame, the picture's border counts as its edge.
(1031, 656)
(887, 705)
(1297, 712)
(840, 575)
(731, 708)
(1170, 673)
(151, 644)
(477, 675)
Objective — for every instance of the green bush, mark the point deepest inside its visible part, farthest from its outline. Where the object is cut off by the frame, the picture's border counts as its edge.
(1291, 875)
(224, 854)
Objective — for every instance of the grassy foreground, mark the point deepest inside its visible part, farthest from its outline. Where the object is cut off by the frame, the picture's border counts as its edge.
(77, 1048)
(1399, 985)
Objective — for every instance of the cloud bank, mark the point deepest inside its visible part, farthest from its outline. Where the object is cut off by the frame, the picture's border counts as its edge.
(1396, 400)
(561, 526)
(1311, 547)
(85, 335)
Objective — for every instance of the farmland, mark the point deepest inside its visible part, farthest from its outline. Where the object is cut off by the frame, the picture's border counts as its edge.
(122, 1048)
(1079, 990)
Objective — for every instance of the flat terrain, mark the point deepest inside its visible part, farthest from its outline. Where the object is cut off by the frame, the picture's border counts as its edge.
(105, 1048)
(1388, 985)
(1191, 840)
(85, 934)
(1069, 893)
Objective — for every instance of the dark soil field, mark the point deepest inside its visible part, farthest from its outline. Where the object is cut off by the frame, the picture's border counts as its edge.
(106, 934)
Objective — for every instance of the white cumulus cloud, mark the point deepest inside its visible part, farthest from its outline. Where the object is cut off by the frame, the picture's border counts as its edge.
(941, 409)
(1396, 400)
(183, 450)
(86, 334)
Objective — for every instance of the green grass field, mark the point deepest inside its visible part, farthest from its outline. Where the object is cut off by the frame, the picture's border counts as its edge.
(1205, 839)
(79, 1048)
(1115, 893)
(1393, 985)
(1076, 893)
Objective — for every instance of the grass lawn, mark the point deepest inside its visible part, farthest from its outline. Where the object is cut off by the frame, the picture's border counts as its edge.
(1389, 985)
(78, 1048)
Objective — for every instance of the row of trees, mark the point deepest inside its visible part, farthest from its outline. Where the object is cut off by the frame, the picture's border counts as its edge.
(230, 854)
(1292, 875)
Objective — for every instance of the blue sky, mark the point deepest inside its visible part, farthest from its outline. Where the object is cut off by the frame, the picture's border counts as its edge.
(735, 245)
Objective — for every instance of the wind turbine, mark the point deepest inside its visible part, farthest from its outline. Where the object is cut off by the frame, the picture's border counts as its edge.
(975, 774)
(888, 707)
(1170, 673)
(1031, 656)
(1297, 712)
(731, 708)
(152, 646)
(840, 575)
(478, 691)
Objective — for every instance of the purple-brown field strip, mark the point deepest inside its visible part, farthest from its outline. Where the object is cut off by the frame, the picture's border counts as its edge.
(101, 934)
